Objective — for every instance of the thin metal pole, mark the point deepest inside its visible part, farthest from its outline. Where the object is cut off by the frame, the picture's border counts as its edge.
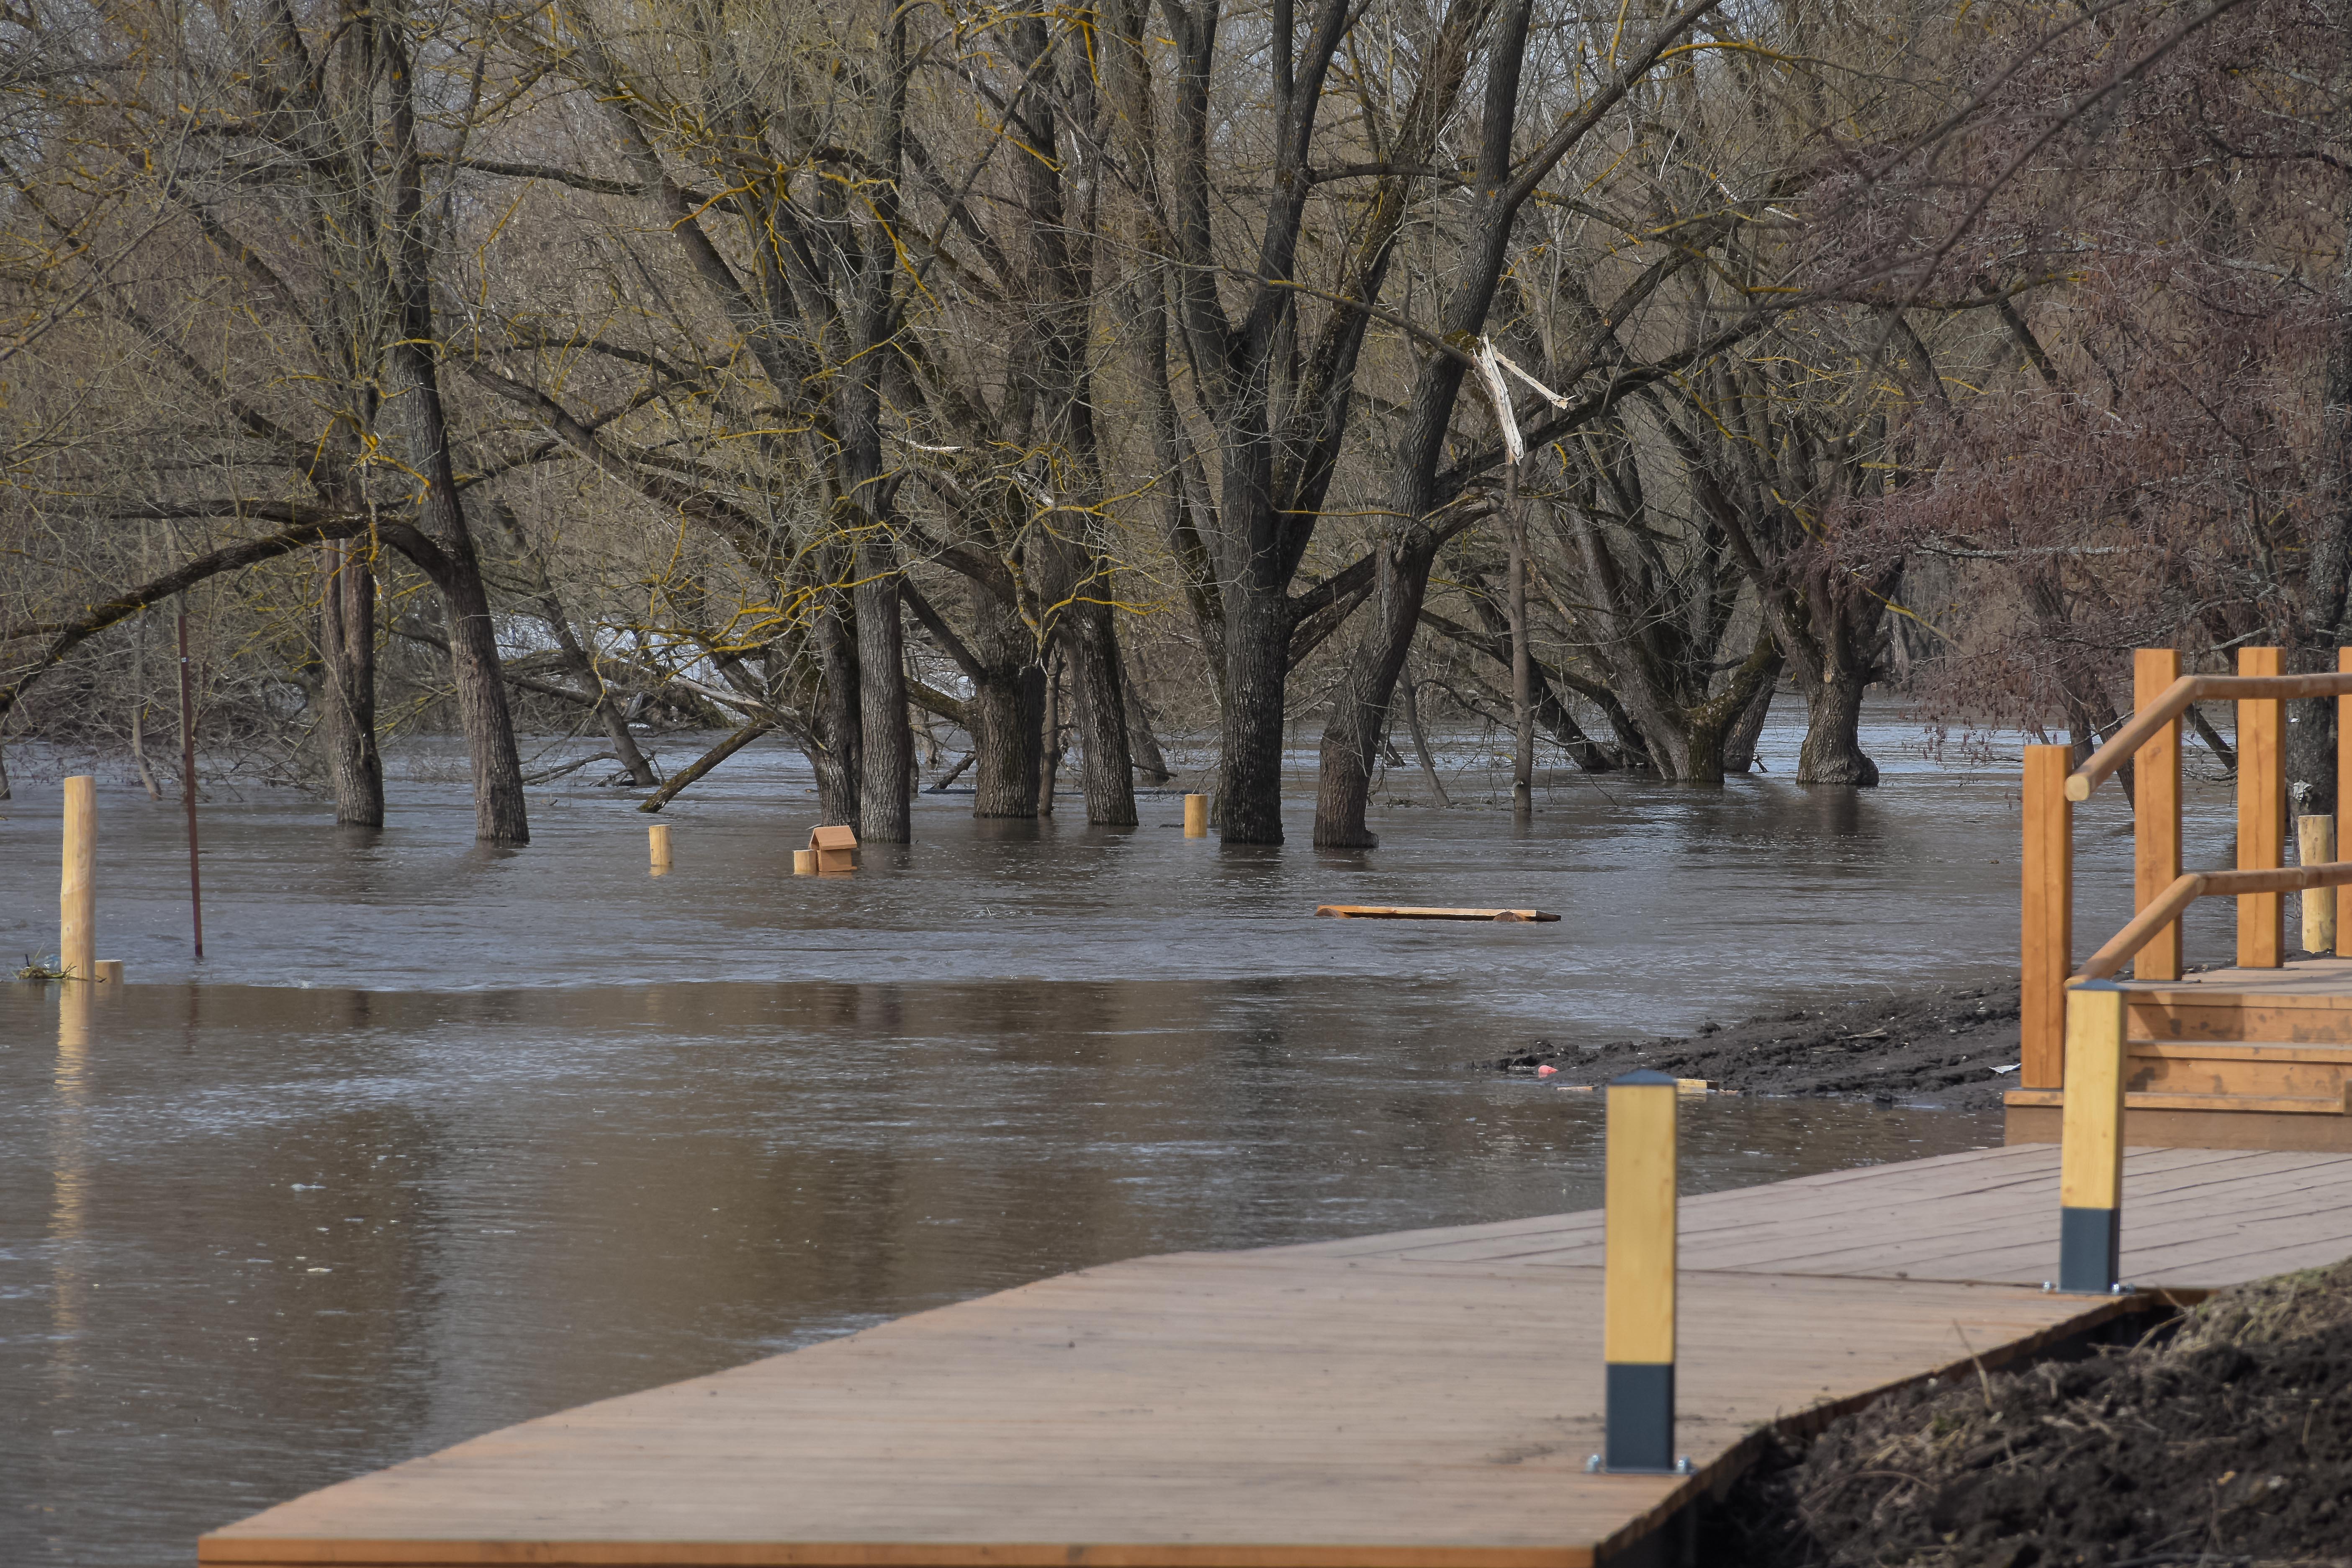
(188, 780)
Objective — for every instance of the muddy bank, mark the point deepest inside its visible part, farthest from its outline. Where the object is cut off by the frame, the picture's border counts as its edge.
(2232, 1442)
(1938, 1045)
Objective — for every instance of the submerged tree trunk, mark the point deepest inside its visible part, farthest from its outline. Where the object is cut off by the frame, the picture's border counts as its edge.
(1351, 736)
(499, 815)
(347, 687)
(1092, 642)
(1143, 746)
(1249, 806)
(1832, 753)
(835, 756)
(1739, 747)
(1049, 731)
(1008, 712)
(1409, 704)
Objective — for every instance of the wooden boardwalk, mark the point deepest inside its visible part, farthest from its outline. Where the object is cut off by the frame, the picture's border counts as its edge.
(1427, 1399)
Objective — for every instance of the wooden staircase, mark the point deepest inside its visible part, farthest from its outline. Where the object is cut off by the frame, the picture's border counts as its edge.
(2254, 1056)
(2233, 1059)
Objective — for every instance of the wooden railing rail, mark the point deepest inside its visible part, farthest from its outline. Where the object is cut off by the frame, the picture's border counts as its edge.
(2176, 700)
(2186, 890)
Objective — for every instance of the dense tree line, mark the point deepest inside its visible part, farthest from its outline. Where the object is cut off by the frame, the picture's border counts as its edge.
(1049, 375)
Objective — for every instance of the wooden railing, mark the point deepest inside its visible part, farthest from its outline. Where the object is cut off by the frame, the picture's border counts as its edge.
(2150, 742)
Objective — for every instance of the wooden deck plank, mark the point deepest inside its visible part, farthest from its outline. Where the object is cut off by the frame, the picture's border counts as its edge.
(1266, 1412)
(1423, 1400)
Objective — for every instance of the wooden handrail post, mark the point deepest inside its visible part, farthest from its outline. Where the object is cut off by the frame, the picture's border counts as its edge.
(2156, 811)
(2262, 810)
(78, 884)
(2091, 1140)
(2046, 917)
(2315, 845)
(2342, 778)
(1638, 1244)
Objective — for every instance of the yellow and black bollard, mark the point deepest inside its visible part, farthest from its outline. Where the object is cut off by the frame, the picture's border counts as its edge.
(2091, 1140)
(1637, 1330)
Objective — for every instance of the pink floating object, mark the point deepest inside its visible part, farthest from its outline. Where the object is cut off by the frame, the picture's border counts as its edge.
(1546, 1071)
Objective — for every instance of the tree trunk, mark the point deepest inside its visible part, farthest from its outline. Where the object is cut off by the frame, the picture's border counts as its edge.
(1249, 806)
(1049, 736)
(1092, 641)
(1832, 753)
(886, 749)
(1007, 710)
(499, 816)
(1143, 747)
(1523, 702)
(1352, 737)
(347, 700)
(836, 758)
(1739, 746)
(1409, 702)
(1008, 713)
(2328, 585)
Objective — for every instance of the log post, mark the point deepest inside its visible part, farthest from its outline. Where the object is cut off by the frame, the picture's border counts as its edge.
(2156, 811)
(657, 843)
(78, 888)
(2262, 810)
(1196, 817)
(2315, 845)
(2091, 1140)
(803, 862)
(110, 972)
(1638, 1247)
(2046, 923)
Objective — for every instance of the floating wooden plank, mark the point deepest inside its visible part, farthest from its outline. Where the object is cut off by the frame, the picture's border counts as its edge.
(1409, 912)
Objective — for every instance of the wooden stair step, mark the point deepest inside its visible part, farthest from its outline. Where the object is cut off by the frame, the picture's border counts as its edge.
(2241, 1050)
(2292, 1104)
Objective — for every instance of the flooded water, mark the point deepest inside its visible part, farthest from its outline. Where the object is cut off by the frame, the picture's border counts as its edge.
(445, 1139)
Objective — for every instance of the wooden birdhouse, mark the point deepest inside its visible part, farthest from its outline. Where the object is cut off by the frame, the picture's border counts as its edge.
(830, 849)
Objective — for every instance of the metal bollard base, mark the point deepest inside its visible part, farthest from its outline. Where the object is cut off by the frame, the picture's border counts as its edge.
(2090, 1243)
(1639, 1438)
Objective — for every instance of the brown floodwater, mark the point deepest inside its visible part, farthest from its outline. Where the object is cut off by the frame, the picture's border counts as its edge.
(438, 1139)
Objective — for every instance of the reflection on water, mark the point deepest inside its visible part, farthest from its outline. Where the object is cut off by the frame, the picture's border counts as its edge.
(453, 1137)
(284, 1236)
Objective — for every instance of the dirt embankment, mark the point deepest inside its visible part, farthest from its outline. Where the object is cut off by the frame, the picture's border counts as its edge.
(2230, 1443)
(1931, 1046)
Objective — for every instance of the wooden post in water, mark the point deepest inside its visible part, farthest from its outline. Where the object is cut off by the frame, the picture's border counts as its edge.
(78, 888)
(2046, 923)
(803, 862)
(188, 780)
(110, 972)
(2091, 1140)
(1638, 1248)
(2315, 845)
(1196, 817)
(2156, 811)
(2262, 810)
(657, 843)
